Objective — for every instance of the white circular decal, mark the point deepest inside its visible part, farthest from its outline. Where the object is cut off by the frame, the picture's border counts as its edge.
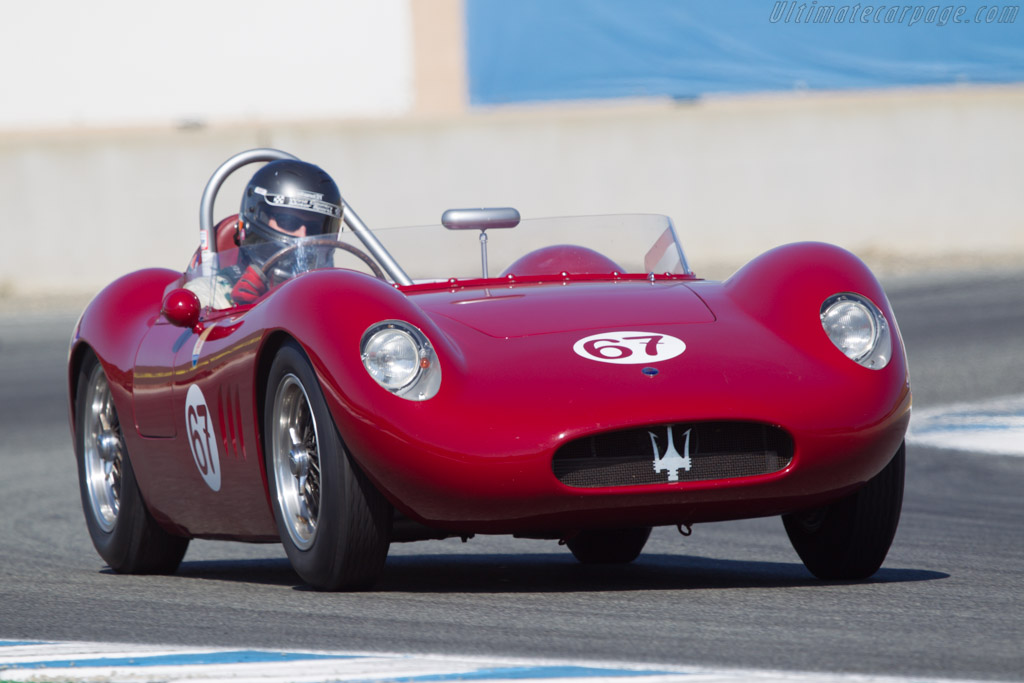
(201, 437)
(629, 348)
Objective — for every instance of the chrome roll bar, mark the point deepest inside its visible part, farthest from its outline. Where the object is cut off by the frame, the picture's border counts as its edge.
(217, 179)
(373, 245)
(208, 241)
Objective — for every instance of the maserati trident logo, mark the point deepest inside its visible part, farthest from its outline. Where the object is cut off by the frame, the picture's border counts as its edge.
(672, 461)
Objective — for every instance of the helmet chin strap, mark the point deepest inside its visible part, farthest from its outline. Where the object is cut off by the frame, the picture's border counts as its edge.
(239, 233)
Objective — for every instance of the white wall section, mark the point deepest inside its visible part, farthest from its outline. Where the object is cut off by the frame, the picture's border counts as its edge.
(126, 63)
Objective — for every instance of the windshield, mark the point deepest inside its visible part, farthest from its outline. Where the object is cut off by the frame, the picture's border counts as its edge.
(593, 245)
(633, 243)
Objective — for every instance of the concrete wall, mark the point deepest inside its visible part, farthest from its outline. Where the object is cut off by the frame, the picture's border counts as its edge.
(902, 177)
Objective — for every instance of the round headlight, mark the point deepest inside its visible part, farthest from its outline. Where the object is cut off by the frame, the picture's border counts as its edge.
(400, 359)
(391, 358)
(857, 327)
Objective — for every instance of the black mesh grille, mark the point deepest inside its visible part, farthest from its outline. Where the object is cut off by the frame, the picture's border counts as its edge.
(699, 452)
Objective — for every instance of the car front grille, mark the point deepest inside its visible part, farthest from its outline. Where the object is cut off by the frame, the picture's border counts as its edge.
(681, 452)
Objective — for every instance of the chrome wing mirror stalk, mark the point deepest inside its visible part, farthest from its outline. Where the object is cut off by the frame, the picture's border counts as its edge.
(482, 220)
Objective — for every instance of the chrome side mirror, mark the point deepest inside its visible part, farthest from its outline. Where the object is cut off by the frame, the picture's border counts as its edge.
(482, 220)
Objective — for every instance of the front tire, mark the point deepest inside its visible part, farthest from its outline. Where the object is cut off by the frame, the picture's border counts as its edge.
(124, 533)
(849, 539)
(334, 525)
(614, 546)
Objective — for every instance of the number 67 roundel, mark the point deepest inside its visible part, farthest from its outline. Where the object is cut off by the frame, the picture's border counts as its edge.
(201, 437)
(629, 347)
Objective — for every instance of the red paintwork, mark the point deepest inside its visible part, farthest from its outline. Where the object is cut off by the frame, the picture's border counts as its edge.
(182, 308)
(476, 457)
(567, 257)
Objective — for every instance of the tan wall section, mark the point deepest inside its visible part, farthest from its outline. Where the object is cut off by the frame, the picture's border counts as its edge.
(439, 55)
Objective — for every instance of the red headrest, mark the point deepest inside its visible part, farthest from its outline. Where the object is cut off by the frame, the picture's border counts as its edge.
(225, 233)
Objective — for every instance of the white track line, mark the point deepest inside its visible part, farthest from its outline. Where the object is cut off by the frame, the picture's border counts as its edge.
(117, 662)
(994, 426)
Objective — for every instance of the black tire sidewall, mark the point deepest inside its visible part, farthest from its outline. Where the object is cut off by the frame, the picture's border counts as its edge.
(136, 544)
(614, 546)
(350, 508)
(850, 538)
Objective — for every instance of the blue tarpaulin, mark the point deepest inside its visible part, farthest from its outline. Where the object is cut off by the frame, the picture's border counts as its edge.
(530, 50)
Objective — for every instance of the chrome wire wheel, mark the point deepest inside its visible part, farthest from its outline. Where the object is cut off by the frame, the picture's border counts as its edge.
(124, 533)
(103, 446)
(335, 526)
(296, 461)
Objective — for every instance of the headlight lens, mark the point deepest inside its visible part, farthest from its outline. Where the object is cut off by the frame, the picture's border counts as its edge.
(857, 327)
(400, 359)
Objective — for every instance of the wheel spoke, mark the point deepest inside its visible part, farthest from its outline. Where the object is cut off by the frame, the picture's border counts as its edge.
(103, 451)
(347, 550)
(295, 461)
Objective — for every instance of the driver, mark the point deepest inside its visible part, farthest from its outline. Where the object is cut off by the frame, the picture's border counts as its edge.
(284, 202)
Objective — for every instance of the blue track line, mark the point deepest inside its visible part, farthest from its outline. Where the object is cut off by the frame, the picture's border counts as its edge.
(198, 659)
(524, 673)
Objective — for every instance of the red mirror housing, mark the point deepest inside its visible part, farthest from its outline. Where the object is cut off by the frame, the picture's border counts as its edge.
(181, 308)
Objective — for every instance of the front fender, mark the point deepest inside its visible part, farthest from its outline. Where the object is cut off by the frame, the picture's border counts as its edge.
(327, 312)
(784, 288)
(112, 326)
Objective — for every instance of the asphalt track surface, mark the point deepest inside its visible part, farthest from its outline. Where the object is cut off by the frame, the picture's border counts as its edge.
(947, 603)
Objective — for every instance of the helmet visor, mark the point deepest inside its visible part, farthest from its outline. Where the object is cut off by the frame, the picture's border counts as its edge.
(289, 213)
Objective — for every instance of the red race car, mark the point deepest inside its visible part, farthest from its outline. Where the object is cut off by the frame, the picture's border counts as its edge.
(570, 379)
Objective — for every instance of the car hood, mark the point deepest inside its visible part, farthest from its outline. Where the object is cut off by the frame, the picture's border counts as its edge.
(538, 350)
(527, 310)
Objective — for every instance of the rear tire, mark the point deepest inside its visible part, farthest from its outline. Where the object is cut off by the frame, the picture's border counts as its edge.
(124, 533)
(612, 546)
(849, 539)
(334, 525)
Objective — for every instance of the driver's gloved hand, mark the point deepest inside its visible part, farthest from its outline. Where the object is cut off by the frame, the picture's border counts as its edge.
(250, 286)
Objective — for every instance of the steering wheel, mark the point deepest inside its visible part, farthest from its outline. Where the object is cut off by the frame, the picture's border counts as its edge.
(321, 242)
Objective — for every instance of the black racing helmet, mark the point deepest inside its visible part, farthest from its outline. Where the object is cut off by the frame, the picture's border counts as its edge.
(284, 196)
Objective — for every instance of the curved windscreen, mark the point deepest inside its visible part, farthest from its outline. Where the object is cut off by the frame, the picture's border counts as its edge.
(592, 245)
(632, 243)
